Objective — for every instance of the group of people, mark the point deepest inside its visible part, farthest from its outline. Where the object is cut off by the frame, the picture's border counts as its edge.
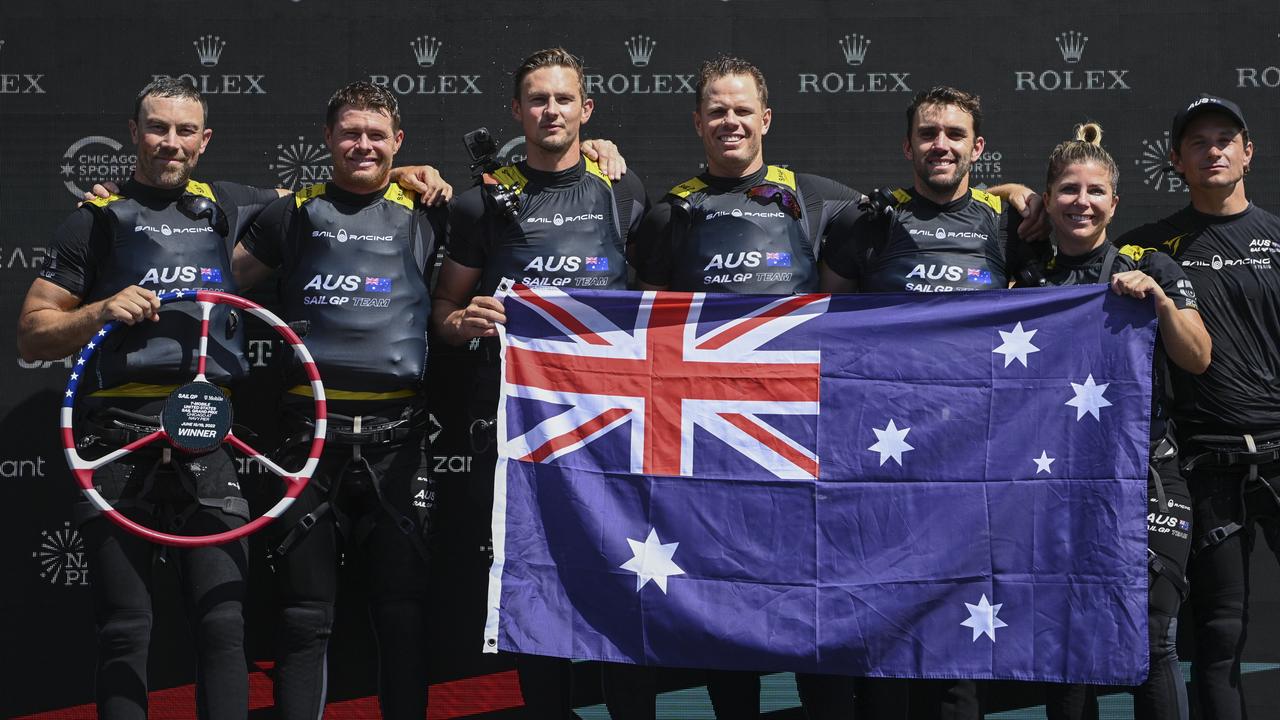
(1210, 270)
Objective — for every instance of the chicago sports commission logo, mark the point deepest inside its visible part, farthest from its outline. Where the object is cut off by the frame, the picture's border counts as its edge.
(94, 159)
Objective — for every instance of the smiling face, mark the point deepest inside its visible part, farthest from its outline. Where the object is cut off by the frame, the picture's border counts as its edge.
(941, 147)
(363, 144)
(1080, 204)
(732, 122)
(170, 135)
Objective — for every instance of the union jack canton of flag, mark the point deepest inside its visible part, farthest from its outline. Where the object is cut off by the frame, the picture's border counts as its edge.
(839, 484)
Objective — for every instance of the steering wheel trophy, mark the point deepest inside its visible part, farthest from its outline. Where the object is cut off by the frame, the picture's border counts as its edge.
(196, 418)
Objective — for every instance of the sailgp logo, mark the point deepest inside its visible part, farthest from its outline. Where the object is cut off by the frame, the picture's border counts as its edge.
(640, 50)
(853, 49)
(1070, 45)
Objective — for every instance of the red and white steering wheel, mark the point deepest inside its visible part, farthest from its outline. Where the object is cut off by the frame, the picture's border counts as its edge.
(196, 418)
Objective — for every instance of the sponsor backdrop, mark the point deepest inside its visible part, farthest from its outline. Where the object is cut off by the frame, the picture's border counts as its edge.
(840, 75)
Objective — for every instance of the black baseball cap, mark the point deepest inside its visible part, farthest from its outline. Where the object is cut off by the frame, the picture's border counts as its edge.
(1203, 104)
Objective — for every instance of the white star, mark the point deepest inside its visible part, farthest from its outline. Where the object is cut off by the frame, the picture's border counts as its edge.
(1017, 345)
(651, 560)
(983, 620)
(91, 345)
(1043, 462)
(891, 443)
(80, 361)
(1089, 398)
(74, 376)
(102, 333)
(68, 393)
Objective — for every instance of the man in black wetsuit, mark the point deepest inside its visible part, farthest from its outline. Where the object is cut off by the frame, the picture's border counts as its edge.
(163, 231)
(941, 235)
(569, 229)
(747, 227)
(1228, 419)
(354, 258)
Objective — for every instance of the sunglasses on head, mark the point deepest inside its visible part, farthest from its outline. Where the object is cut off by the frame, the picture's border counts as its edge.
(772, 193)
(198, 207)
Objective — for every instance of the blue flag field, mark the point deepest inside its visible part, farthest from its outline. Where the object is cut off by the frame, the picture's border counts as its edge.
(875, 485)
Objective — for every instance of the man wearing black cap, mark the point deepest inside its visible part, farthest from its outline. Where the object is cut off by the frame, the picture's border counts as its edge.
(1228, 419)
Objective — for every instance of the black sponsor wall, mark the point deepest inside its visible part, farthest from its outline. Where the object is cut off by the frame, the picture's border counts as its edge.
(840, 75)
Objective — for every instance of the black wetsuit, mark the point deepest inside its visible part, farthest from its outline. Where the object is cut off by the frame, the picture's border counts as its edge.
(1228, 426)
(571, 231)
(967, 244)
(716, 234)
(354, 268)
(1163, 695)
(161, 240)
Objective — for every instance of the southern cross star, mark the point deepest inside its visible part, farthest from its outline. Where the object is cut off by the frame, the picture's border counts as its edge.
(651, 560)
(1088, 398)
(891, 443)
(1017, 345)
(983, 620)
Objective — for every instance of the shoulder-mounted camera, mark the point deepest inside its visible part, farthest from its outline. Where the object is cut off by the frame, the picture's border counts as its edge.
(483, 151)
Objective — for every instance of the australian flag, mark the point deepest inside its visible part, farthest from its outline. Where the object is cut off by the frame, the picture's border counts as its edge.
(211, 275)
(777, 259)
(597, 264)
(377, 284)
(877, 485)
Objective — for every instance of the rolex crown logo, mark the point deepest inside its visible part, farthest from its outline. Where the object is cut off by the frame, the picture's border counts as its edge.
(425, 50)
(209, 49)
(1072, 43)
(854, 47)
(640, 48)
